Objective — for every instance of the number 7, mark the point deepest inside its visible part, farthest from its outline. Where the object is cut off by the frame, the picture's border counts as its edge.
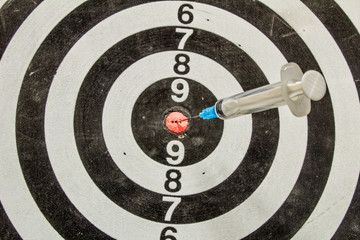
(187, 33)
(175, 202)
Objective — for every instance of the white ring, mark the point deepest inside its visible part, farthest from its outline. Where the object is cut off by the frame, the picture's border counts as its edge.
(140, 168)
(337, 195)
(351, 8)
(275, 187)
(13, 186)
(18, 202)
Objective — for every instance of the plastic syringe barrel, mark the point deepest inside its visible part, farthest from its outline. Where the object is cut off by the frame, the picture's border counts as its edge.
(295, 90)
(255, 100)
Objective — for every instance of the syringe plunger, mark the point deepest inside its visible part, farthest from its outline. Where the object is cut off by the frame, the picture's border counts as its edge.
(295, 90)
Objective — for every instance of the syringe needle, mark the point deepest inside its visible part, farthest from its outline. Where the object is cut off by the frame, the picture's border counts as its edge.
(295, 90)
(186, 119)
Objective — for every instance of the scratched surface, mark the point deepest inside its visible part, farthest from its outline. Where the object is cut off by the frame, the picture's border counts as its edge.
(151, 135)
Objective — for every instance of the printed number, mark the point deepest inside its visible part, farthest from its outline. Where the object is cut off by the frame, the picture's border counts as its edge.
(183, 90)
(172, 183)
(175, 202)
(163, 235)
(182, 64)
(185, 16)
(187, 33)
(180, 153)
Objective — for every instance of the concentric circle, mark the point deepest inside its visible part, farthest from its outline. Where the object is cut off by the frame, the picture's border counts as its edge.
(150, 120)
(135, 157)
(75, 169)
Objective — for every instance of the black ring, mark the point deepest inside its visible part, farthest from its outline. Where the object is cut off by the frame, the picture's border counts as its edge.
(248, 10)
(346, 36)
(318, 159)
(98, 162)
(151, 133)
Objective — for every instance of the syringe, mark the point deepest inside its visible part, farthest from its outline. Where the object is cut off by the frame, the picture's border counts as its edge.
(295, 90)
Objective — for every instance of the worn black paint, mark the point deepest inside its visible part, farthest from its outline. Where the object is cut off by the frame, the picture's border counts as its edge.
(302, 199)
(7, 230)
(297, 207)
(99, 164)
(148, 122)
(348, 40)
(12, 14)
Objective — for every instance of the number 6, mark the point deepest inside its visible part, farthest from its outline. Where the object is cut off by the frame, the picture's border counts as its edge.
(182, 13)
(164, 235)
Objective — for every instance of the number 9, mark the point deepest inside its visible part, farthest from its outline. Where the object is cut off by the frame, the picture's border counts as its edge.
(180, 153)
(183, 91)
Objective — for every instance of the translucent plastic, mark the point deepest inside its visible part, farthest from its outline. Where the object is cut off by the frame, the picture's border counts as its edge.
(287, 92)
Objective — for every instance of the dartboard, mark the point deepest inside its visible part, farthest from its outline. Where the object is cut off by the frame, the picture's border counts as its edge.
(88, 145)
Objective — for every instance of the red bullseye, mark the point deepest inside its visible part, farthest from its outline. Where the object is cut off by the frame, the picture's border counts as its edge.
(176, 122)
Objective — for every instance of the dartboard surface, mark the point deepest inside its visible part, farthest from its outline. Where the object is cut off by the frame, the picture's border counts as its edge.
(90, 148)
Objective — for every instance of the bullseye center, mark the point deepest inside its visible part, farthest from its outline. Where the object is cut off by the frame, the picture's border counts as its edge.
(176, 122)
